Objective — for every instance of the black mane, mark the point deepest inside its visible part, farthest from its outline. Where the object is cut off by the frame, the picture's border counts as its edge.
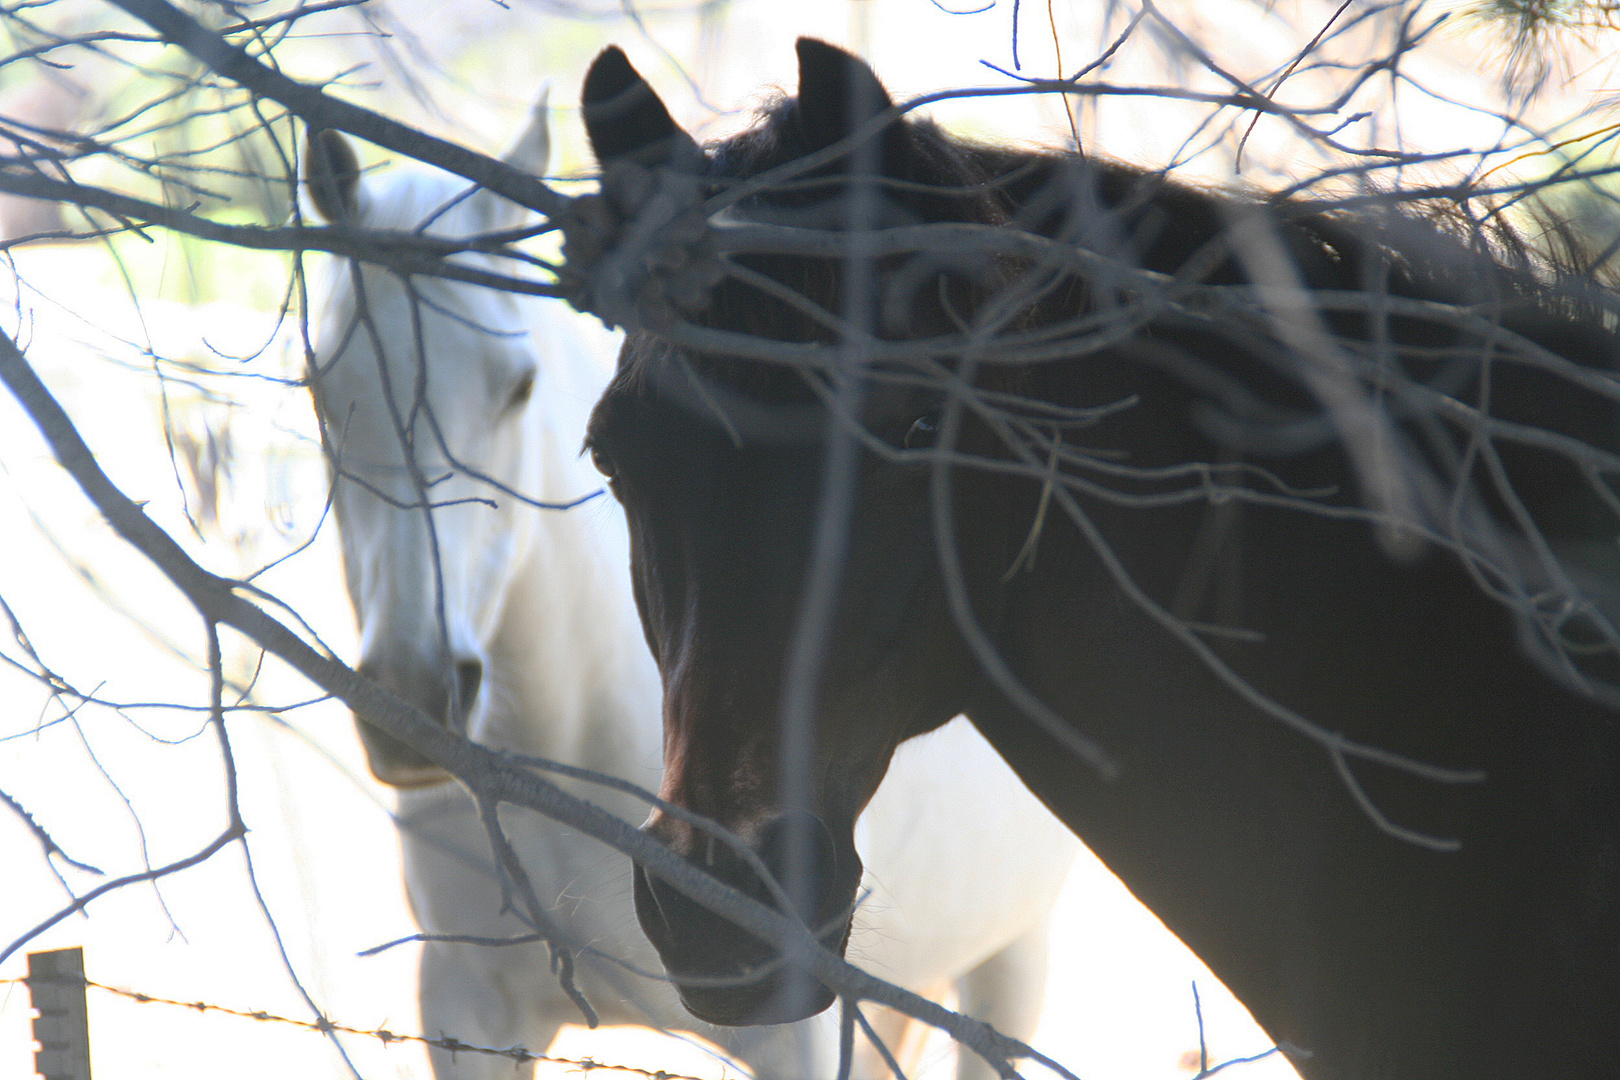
(1428, 250)
(1446, 249)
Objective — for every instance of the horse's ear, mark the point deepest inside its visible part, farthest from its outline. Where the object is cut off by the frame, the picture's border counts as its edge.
(529, 151)
(626, 121)
(837, 92)
(332, 175)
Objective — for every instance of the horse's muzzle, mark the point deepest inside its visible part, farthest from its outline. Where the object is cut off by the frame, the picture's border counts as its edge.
(724, 974)
(395, 764)
(431, 687)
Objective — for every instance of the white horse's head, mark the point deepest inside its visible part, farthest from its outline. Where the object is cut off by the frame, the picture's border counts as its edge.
(423, 389)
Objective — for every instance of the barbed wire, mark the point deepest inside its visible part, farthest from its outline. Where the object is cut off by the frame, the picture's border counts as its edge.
(518, 1054)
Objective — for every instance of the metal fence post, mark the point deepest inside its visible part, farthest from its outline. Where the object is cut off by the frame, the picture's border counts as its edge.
(62, 1029)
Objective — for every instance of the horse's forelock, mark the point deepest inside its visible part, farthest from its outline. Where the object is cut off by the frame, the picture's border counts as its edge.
(937, 176)
(408, 199)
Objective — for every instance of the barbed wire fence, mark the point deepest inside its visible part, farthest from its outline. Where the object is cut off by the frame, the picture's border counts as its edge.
(200, 140)
(57, 983)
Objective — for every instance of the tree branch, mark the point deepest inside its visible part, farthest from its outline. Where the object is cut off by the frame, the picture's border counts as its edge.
(483, 771)
(319, 110)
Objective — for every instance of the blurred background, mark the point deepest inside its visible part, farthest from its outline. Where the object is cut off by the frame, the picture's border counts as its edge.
(180, 362)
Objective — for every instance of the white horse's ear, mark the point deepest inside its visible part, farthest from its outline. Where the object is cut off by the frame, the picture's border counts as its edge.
(332, 176)
(529, 151)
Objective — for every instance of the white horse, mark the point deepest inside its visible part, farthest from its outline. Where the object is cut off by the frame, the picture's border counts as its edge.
(516, 624)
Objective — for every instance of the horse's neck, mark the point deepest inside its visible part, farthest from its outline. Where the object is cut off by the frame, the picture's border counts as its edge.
(1245, 838)
(572, 670)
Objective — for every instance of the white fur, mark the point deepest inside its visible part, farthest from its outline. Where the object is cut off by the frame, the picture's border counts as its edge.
(964, 864)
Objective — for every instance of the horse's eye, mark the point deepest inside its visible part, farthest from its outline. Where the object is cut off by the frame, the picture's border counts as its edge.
(923, 432)
(603, 463)
(521, 392)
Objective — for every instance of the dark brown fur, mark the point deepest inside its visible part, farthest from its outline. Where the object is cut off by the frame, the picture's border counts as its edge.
(1364, 954)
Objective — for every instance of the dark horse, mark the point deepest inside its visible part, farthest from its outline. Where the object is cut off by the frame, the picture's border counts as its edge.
(1267, 541)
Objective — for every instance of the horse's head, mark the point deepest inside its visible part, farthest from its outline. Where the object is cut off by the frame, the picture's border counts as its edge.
(423, 390)
(787, 689)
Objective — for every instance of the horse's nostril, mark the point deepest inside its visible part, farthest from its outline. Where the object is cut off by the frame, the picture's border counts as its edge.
(798, 850)
(469, 677)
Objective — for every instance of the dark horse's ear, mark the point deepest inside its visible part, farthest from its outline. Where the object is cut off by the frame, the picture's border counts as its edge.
(626, 120)
(837, 93)
(332, 175)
